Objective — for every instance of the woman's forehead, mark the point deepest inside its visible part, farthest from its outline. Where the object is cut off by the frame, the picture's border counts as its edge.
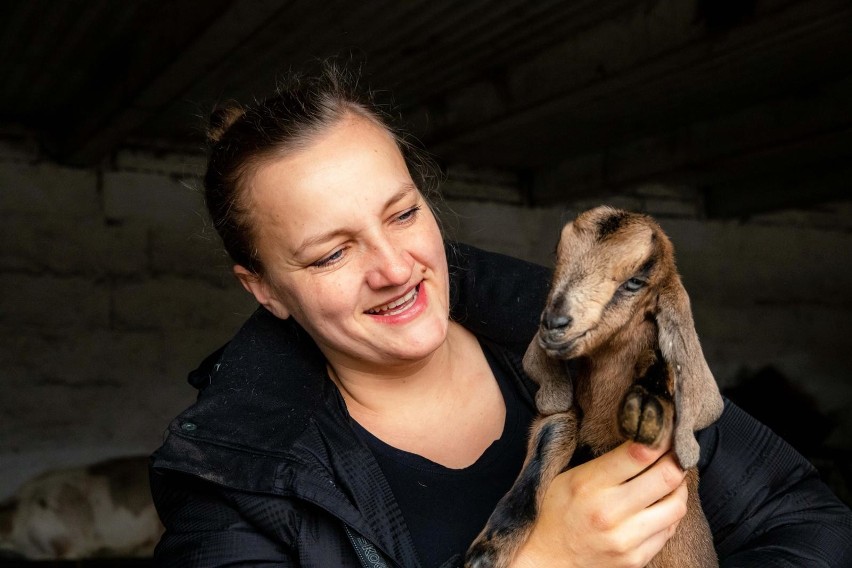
(352, 147)
(351, 171)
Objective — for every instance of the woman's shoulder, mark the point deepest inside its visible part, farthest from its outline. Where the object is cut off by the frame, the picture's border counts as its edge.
(760, 496)
(496, 296)
(257, 395)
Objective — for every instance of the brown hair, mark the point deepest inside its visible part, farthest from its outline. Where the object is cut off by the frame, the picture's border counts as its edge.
(244, 137)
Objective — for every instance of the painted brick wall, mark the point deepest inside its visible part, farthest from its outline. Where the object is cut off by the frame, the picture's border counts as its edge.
(111, 290)
(112, 287)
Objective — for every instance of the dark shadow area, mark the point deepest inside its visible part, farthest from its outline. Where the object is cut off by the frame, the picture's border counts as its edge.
(93, 563)
(771, 397)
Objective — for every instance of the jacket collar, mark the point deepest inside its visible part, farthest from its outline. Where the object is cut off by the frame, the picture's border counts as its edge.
(257, 395)
(268, 419)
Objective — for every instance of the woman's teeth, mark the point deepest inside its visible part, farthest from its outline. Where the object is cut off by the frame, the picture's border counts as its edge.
(401, 303)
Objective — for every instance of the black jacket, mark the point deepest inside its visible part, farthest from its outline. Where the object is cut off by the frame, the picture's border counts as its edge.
(265, 468)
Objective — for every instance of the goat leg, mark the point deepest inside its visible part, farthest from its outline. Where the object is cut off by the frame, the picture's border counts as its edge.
(692, 543)
(647, 411)
(551, 446)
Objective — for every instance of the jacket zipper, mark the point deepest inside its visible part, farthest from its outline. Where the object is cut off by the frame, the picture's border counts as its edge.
(365, 551)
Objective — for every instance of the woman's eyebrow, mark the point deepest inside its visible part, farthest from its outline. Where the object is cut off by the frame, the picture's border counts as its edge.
(321, 238)
(406, 190)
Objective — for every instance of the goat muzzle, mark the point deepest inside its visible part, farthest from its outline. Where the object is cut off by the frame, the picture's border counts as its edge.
(555, 323)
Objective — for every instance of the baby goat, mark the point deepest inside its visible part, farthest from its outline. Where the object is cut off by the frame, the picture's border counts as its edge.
(616, 358)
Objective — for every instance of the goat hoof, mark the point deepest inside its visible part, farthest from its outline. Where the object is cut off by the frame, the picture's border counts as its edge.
(642, 416)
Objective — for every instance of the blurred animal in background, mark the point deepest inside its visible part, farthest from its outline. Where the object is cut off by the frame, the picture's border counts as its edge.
(102, 510)
(616, 358)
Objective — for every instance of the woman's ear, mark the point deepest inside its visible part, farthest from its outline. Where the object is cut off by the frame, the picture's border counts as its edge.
(260, 289)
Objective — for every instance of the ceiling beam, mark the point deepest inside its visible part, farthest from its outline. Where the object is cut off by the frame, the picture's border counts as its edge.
(117, 113)
(647, 72)
(790, 133)
(798, 188)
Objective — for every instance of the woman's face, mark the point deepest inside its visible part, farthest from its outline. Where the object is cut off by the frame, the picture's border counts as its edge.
(350, 248)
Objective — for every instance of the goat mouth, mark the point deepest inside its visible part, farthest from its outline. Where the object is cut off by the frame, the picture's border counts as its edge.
(561, 348)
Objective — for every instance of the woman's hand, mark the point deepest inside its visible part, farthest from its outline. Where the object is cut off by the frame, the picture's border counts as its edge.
(614, 511)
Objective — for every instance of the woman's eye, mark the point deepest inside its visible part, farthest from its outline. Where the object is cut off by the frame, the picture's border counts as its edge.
(633, 284)
(329, 260)
(409, 215)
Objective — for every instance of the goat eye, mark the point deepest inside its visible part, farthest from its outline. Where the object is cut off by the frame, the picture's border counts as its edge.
(633, 284)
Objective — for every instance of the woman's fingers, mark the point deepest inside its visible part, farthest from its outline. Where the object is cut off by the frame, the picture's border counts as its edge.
(625, 462)
(658, 522)
(621, 482)
(647, 488)
(662, 515)
(639, 538)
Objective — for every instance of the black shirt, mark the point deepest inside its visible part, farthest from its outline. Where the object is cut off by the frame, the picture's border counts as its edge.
(446, 508)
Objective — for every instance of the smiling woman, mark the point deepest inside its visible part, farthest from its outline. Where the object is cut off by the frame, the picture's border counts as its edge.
(323, 209)
(373, 411)
(342, 232)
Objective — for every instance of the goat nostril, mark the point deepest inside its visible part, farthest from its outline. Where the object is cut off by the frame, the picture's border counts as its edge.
(555, 322)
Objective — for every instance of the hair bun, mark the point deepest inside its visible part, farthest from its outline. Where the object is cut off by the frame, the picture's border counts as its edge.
(221, 119)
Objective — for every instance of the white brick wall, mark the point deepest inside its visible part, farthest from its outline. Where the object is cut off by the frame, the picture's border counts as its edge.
(112, 288)
(110, 292)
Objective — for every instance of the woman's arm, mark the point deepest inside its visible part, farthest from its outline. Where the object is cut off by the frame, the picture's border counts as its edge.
(203, 530)
(765, 503)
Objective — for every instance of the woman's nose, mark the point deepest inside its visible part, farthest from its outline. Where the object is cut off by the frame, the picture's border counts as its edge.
(390, 265)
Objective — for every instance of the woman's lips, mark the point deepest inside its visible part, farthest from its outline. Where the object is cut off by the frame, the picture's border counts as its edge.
(397, 306)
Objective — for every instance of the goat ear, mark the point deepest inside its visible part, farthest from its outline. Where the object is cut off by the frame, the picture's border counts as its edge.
(697, 400)
(556, 391)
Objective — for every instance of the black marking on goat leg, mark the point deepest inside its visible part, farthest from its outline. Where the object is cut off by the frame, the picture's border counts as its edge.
(516, 511)
(609, 225)
(519, 505)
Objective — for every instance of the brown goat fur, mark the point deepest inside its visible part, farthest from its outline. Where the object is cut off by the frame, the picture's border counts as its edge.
(616, 357)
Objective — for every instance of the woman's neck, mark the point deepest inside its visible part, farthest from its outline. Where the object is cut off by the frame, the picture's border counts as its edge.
(391, 389)
(448, 408)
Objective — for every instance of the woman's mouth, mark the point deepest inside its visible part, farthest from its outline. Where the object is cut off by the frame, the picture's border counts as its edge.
(397, 306)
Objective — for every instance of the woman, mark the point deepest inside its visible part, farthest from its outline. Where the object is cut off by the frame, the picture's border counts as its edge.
(373, 410)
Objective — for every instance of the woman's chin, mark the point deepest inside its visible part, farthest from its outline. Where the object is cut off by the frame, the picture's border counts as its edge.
(418, 342)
